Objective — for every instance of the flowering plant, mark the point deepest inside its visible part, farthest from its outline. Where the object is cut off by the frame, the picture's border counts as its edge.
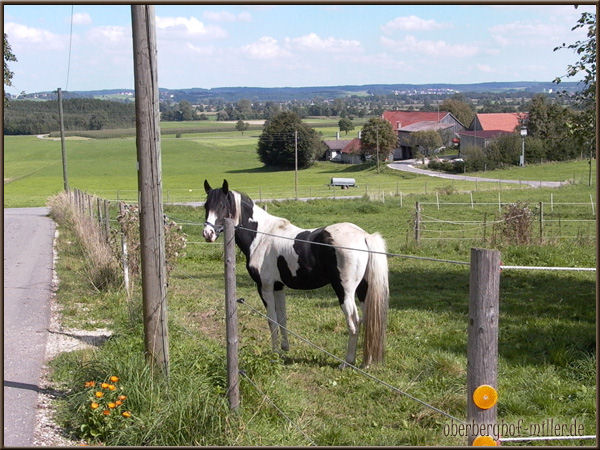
(104, 408)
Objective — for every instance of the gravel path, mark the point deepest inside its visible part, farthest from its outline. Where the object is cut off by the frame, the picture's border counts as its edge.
(408, 166)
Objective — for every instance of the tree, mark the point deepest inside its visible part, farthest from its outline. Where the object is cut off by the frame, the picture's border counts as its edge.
(346, 125)
(241, 126)
(276, 144)
(583, 125)
(426, 142)
(462, 110)
(378, 138)
(8, 56)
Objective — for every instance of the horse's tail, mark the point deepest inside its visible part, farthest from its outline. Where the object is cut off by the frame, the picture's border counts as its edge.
(376, 300)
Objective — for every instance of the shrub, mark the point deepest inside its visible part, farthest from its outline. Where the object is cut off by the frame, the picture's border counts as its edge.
(517, 221)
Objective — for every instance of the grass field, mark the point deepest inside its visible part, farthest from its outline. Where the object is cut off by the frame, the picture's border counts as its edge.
(546, 348)
(547, 366)
(107, 167)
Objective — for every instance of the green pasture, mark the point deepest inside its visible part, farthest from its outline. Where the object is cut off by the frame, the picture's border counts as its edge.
(107, 167)
(547, 364)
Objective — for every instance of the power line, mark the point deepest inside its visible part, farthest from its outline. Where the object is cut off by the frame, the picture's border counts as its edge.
(70, 45)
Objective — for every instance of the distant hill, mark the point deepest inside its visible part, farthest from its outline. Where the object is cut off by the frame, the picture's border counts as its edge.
(284, 94)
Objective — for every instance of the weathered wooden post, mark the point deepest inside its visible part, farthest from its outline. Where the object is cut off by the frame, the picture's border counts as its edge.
(231, 322)
(417, 222)
(541, 222)
(107, 219)
(482, 343)
(152, 238)
(124, 252)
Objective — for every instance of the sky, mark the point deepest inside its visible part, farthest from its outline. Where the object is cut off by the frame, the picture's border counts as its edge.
(209, 46)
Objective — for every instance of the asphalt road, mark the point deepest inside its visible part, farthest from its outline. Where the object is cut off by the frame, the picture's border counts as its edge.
(407, 166)
(28, 236)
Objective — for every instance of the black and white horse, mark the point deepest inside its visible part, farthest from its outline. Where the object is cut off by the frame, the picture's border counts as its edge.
(276, 262)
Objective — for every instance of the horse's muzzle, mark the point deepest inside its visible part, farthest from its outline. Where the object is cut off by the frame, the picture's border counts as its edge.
(211, 232)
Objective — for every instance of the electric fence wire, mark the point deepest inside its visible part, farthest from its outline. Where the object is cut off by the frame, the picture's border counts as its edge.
(352, 366)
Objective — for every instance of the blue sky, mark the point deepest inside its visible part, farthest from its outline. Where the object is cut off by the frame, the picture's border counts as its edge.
(292, 45)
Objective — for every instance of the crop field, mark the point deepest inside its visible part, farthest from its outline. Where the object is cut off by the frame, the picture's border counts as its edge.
(547, 363)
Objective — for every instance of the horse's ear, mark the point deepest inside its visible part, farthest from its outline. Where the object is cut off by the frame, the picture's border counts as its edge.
(225, 187)
(207, 187)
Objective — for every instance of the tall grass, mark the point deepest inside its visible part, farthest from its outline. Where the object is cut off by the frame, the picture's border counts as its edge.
(100, 264)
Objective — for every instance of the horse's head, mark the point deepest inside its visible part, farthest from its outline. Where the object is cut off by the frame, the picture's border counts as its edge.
(220, 204)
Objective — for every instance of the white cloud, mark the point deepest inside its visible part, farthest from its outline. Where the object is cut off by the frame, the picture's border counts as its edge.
(225, 16)
(313, 42)
(22, 35)
(411, 23)
(111, 34)
(82, 19)
(266, 47)
(484, 68)
(179, 27)
(410, 44)
(524, 33)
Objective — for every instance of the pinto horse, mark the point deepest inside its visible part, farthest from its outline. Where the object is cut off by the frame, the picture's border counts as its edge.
(279, 254)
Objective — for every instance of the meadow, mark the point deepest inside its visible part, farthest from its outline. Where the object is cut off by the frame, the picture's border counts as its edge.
(547, 364)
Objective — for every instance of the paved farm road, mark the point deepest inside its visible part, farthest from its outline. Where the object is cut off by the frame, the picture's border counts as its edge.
(408, 166)
(28, 236)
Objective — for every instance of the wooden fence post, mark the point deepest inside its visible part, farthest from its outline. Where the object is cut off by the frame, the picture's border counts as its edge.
(107, 219)
(541, 222)
(482, 343)
(125, 254)
(231, 322)
(417, 222)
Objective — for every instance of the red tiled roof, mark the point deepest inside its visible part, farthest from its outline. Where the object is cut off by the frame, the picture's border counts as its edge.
(401, 119)
(500, 121)
(343, 145)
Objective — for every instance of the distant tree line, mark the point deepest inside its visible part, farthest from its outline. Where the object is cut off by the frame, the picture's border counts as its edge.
(38, 117)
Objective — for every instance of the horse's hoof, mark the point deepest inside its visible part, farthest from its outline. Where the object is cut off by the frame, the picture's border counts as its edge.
(285, 347)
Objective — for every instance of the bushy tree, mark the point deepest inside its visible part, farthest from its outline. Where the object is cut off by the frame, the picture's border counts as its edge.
(276, 144)
(378, 131)
(8, 56)
(346, 125)
(459, 108)
(241, 126)
(426, 141)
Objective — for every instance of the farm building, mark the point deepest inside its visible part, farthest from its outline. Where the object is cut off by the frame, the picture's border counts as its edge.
(497, 121)
(406, 122)
(343, 150)
(482, 139)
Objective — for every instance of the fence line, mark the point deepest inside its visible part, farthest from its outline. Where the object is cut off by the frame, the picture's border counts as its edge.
(352, 366)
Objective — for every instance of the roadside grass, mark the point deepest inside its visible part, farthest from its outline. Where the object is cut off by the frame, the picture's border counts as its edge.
(107, 167)
(547, 341)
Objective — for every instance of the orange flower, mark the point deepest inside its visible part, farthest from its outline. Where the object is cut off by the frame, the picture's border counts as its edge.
(114, 379)
(118, 403)
(122, 397)
(111, 405)
(112, 387)
(104, 385)
(106, 412)
(126, 414)
(94, 405)
(90, 384)
(99, 394)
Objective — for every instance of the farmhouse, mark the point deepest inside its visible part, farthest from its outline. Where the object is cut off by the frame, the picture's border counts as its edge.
(498, 121)
(486, 127)
(406, 122)
(343, 150)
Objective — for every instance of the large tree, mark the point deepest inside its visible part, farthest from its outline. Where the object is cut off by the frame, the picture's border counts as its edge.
(583, 125)
(460, 108)
(277, 143)
(346, 125)
(378, 138)
(426, 141)
(8, 56)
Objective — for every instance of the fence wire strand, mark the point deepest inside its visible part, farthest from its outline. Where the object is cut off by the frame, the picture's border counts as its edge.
(352, 366)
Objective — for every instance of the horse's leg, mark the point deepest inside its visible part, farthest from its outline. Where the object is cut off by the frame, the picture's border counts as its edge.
(268, 298)
(281, 316)
(345, 292)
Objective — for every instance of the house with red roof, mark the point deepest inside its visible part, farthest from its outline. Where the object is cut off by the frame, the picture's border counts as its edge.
(406, 122)
(498, 121)
(343, 150)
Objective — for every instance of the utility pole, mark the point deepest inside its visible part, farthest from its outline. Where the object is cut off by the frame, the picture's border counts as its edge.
(377, 141)
(62, 141)
(296, 162)
(152, 240)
